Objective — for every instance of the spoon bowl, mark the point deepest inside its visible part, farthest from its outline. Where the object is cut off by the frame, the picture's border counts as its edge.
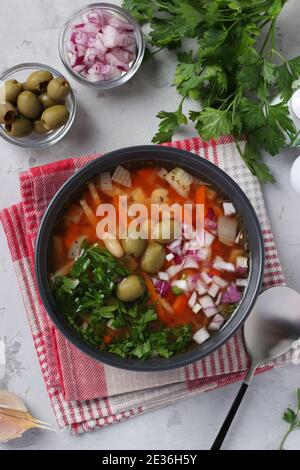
(269, 332)
(274, 324)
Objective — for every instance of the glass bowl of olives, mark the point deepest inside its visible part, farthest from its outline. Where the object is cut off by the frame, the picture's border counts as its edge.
(37, 106)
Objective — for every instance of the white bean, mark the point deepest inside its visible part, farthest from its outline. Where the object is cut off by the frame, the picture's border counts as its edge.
(113, 246)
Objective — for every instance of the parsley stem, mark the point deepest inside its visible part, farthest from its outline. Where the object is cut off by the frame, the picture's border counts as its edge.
(286, 436)
(291, 428)
(157, 51)
(272, 26)
(274, 51)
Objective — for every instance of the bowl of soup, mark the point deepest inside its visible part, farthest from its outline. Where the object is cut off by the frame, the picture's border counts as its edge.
(149, 258)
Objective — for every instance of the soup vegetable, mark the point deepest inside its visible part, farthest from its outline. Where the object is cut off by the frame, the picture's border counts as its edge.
(159, 290)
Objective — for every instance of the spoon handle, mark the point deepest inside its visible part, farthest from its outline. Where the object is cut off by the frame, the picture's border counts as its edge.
(229, 418)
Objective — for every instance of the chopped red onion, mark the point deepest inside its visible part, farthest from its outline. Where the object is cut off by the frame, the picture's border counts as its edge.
(192, 280)
(175, 247)
(209, 238)
(218, 299)
(174, 269)
(190, 262)
(222, 265)
(213, 290)
(170, 256)
(162, 287)
(178, 259)
(232, 295)
(192, 300)
(163, 276)
(188, 232)
(219, 281)
(197, 307)
(206, 277)
(181, 284)
(202, 254)
(210, 311)
(216, 322)
(242, 271)
(211, 215)
(211, 224)
(206, 302)
(201, 336)
(201, 288)
(101, 38)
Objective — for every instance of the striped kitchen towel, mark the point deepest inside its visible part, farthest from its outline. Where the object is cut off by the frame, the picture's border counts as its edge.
(84, 393)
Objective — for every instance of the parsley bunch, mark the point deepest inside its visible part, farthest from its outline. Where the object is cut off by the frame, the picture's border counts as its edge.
(232, 76)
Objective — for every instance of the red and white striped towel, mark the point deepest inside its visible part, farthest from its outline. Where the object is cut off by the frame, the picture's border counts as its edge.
(85, 394)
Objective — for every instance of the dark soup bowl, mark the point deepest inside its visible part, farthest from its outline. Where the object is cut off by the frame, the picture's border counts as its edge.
(133, 158)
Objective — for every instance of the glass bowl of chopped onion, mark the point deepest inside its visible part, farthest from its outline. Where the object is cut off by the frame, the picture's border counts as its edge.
(101, 46)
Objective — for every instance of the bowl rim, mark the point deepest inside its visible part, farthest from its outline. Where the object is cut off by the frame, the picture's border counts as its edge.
(105, 84)
(159, 154)
(42, 144)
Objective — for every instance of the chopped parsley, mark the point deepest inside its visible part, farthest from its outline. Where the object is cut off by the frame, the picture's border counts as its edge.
(86, 296)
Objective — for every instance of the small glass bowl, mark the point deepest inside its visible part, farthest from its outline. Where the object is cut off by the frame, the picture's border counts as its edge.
(66, 33)
(34, 140)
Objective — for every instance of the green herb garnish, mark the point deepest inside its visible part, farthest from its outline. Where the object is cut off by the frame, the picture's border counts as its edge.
(228, 72)
(292, 418)
(176, 290)
(86, 296)
(141, 343)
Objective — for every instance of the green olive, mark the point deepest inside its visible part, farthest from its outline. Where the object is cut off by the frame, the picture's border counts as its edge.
(24, 86)
(58, 89)
(46, 101)
(39, 128)
(38, 81)
(166, 230)
(134, 245)
(20, 127)
(7, 113)
(12, 90)
(130, 289)
(55, 117)
(153, 258)
(29, 105)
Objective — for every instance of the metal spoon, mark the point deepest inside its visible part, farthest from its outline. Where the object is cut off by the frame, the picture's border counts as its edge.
(272, 327)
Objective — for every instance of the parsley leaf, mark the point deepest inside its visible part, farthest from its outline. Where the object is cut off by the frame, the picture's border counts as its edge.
(212, 123)
(176, 290)
(170, 122)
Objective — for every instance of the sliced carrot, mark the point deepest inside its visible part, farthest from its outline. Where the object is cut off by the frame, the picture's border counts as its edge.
(201, 195)
(107, 339)
(156, 299)
(180, 303)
